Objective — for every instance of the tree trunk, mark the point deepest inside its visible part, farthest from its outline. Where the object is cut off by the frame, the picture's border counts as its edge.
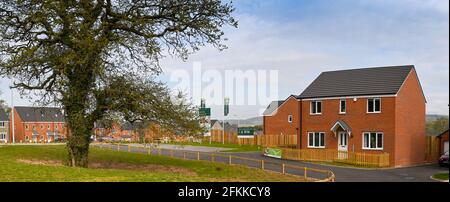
(78, 148)
(78, 141)
(79, 122)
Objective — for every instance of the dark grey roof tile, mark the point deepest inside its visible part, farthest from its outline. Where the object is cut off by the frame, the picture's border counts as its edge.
(40, 114)
(356, 82)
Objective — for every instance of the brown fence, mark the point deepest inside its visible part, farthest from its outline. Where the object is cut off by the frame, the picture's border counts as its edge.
(326, 155)
(262, 140)
(277, 140)
(432, 146)
(305, 173)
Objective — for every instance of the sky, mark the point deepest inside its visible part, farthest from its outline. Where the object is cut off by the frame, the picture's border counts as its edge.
(302, 38)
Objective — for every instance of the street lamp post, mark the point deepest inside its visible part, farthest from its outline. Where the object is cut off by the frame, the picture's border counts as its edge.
(12, 117)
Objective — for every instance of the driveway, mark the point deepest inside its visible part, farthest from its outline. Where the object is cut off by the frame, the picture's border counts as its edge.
(343, 174)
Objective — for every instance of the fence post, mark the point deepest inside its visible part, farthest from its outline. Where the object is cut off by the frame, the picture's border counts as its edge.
(229, 159)
(171, 153)
(149, 151)
(129, 148)
(198, 156)
(159, 151)
(284, 168)
(184, 154)
(118, 147)
(262, 164)
(305, 175)
(212, 157)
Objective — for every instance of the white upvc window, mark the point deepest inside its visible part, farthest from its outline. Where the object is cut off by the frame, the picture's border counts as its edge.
(2, 124)
(373, 105)
(2, 136)
(316, 107)
(342, 106)
(290, 118)
(316, 140)
(373, 140)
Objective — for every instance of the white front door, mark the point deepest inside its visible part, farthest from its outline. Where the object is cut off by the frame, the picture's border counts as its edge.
(343, 141)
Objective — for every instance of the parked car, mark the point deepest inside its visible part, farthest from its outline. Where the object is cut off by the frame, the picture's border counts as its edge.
(443, 160)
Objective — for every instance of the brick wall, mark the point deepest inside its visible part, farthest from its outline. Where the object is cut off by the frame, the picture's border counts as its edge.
(410, 123)
(278, 123)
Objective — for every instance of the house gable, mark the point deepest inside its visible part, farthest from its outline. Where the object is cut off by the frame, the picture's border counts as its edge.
(275, 105)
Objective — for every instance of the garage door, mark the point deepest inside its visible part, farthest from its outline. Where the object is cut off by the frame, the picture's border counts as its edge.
(445, 146)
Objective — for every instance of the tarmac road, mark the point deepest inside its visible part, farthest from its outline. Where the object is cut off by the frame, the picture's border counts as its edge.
(343, 174)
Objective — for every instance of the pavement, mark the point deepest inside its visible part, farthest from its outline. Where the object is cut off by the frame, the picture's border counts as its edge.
(189, 148)
(343, 174)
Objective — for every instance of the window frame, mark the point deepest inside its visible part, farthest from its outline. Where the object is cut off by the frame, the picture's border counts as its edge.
(376, 141)
(314, 102)
(290, 118)
(373, 106)
(321, 134)
(340, 106)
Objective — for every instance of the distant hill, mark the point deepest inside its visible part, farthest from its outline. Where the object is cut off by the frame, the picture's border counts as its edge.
(254, 121)
(433, 117)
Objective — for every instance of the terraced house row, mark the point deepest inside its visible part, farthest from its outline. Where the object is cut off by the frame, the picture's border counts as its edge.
(47, 124)
(32, 124)
(370, 110)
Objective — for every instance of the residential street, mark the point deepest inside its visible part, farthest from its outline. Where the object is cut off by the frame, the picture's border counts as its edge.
(411, 174)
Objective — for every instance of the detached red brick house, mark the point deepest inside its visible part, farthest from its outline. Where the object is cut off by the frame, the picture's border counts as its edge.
(371, 110)
(38, 124)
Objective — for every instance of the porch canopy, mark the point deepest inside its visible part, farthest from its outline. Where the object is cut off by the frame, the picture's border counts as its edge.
(340, 124)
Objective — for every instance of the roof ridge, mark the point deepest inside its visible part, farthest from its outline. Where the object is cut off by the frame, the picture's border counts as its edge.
(366, 68)
(37, 107)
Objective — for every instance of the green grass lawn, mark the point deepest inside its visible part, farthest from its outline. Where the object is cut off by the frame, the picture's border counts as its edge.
(235, 147)
(441, 176)
(47, 163)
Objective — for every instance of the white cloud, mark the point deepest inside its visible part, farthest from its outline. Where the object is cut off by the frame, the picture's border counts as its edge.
(372, 33)
(301, 49)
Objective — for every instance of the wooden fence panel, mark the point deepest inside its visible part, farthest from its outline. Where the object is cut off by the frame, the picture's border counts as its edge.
(327, 155)
(432, 152)
(261, 140)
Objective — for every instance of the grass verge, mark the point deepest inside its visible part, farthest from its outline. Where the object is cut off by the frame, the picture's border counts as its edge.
(46, 164)
(441, 176)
